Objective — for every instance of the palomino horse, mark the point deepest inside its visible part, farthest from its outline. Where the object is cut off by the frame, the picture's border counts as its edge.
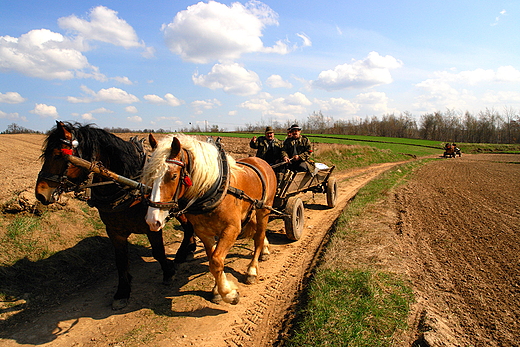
(222, 199)
(121, 209)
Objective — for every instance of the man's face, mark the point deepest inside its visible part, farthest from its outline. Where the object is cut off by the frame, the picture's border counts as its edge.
(269, 136)
(295, 134)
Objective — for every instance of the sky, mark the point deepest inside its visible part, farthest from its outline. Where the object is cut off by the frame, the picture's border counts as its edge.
(176, 64)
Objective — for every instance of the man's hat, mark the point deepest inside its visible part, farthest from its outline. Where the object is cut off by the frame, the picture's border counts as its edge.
(295, 127)
(269, 130)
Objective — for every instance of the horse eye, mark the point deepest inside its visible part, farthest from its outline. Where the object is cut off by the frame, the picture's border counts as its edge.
(174, 177)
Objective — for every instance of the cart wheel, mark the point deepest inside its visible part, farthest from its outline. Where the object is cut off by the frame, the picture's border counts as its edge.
(294, 222)
(332, 189)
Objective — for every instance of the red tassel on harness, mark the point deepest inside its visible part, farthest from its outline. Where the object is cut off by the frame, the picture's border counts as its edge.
(66, 151)
(187, 181)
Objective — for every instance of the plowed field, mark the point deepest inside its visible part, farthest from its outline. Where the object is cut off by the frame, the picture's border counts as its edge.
(454, 230)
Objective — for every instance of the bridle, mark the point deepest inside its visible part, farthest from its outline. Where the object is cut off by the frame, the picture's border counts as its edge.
(64, 183)
(184, 182)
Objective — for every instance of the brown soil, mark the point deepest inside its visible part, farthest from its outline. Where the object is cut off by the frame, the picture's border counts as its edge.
(455, 238)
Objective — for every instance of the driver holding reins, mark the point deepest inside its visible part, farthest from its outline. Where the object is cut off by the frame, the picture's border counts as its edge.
(297, 150)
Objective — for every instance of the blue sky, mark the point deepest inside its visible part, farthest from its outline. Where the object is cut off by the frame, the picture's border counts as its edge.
(166, 64)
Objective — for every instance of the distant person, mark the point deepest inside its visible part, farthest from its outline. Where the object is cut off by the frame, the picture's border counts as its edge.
(268, 147)
(297, 150)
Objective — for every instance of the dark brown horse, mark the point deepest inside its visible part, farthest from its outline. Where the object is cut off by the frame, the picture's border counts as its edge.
(223, 199)
(122, 209)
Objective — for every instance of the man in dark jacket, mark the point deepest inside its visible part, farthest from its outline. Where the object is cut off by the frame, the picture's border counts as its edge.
(297, 150)
(268, 147)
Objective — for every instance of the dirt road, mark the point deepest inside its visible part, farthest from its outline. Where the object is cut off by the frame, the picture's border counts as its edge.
(443, 247)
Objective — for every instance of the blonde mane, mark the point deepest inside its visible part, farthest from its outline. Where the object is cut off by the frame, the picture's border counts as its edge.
(204, 169)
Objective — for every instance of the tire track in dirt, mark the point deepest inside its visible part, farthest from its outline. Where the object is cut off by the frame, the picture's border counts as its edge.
(264, 321)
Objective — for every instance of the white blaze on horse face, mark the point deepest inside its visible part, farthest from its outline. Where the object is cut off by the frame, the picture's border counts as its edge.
(155, 217)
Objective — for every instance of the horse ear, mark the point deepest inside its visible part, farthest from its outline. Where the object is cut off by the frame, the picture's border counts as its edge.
(152, 140)
(67, 135)
(176, 148)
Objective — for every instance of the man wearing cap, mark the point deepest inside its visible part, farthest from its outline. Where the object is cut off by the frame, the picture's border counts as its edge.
(297, 149)
(268, 147)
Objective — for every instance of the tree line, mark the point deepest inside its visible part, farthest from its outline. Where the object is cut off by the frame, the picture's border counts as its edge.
(487, 126)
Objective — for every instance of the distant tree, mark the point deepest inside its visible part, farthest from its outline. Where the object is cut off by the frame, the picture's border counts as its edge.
(17, 129)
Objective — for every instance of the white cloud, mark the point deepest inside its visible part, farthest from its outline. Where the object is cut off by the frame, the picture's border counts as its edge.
(231, 77)
(288, 108)
(12, 116)
(372, 71)
(169, 99)
(44, 111)
(49, 55)
(131, 109)
(123, 80)
(104, 26)
(276, 81)
(87, 116)
(44, 54)
(134, 119)
(450, 90)
(101, 110)
(207, 32)
(497, 18)
(112, 95)
(200, 105)
(501, 97)
(337, 106)
(11, 98)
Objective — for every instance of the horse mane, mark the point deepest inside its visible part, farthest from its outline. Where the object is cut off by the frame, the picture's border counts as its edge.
(204, 168)
(115, 153)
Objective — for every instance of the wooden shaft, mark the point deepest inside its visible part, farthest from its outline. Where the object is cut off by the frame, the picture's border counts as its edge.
(102, 171)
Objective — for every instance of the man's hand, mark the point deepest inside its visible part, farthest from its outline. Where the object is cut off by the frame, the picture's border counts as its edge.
(253, 139)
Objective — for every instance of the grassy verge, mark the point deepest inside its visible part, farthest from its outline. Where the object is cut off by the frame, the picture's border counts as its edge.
(355, 305)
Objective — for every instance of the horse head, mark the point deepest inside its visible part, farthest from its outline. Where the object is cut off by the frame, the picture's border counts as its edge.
(57, 175)
(170, 185)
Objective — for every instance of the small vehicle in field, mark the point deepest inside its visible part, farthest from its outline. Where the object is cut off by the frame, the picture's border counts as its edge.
(290, 185)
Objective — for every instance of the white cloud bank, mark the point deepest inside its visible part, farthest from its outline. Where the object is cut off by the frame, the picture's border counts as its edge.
(233, 78)
(372, 71)
(45, 54)
(208, 32)
(11, 98)
(44, 111)
(104, 26)
(112, 95)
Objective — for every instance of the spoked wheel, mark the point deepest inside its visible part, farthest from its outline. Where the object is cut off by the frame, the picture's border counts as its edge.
(332, 190)
(294, 222)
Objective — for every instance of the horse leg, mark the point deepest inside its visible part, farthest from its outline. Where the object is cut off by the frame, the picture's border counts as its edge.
(264, 255)
(223, 290)
(261, 246)
(188, 245)
(209, 247)
(159, 254)
(227, 289)
(120, 244)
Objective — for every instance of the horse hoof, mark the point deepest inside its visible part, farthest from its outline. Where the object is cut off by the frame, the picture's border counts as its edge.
(251, 279)
(216, 299)
(118, 304)
(264, 257)
(232, 298)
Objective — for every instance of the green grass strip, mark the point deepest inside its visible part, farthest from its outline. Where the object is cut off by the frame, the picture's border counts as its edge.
(361, 306)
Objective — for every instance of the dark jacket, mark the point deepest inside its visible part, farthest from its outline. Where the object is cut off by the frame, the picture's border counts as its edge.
(300, 147)
(271, 152)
